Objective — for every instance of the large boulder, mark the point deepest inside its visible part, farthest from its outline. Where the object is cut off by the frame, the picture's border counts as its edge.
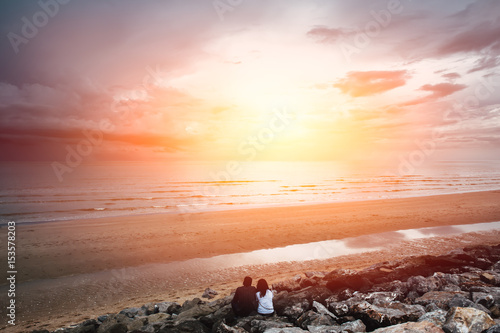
(294, 304)
(132, 312)
(467, 320)
(411, 327)
(187, 326)
(168, 307)
(439, 298)
(114, 322)
(437, 317)
(88, 326)
(356, 326)
(289, 285)
(341, 279)
(285, 330)
(224, 328)
(209, 293)
(262, 325)
(422, 285)
(391, 314)
(197, 310)
(311, 318)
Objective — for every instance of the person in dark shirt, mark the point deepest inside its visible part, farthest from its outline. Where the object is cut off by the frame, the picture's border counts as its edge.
(244, 302)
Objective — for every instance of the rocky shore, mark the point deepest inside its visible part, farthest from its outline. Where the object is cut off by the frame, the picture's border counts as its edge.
(456, 292)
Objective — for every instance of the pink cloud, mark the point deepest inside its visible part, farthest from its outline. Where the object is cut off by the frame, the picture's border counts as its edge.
(368, 83)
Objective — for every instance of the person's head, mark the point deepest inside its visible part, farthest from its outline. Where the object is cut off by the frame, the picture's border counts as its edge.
(262, 287)
(247, 281)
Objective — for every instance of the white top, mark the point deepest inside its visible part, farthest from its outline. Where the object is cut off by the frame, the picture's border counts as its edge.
(265, 303)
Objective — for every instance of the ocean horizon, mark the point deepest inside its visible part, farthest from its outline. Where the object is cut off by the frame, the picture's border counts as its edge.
(30, 192)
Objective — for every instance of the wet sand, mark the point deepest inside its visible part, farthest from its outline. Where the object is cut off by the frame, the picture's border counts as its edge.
(72, 248)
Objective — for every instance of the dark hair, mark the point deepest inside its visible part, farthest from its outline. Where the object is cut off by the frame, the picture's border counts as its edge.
(247, 282)
(262, 287)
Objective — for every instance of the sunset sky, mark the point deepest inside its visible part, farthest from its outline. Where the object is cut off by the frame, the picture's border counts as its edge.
(250, 79)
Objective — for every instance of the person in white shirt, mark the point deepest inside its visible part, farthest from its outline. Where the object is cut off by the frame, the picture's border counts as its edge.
(265, 298)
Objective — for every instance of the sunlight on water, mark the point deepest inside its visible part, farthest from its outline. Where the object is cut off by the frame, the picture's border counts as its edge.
(31, 193)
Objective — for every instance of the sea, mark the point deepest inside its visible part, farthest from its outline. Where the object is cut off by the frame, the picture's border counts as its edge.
(32, 192)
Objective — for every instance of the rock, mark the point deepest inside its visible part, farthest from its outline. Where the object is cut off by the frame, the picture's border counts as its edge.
(314, 319)
(150, 328)
(224, 328)
(196, 311)
(462, 302)
(192, 303)
(191, 326)
(315, 275)
(102, 318)
(321, 309)
(158, 317)
(209, 293)
(380, 298)
(112, 321)
(307, 282)
(349, 327)
(88, 326)
(168, 307)
(353, 327)
(117, 328)
(285, 330)
(223, 314)
(289, 285)
(437, 317)
(411, 327)
(393, 313)
(137, 324)
(496, 267)
(132, 312)
(149, 309)
(341, 279)
(439, 298)
(485, 300)
(293, 304)
(467, 320)
(262, 325)
(423, 285)
(294, 311)
(491, 277)
(494, 329)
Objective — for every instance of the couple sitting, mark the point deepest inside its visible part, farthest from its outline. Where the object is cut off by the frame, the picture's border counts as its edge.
(247, 299)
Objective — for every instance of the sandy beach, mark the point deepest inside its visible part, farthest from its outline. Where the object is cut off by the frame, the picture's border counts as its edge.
(64, 249)
(57, 249)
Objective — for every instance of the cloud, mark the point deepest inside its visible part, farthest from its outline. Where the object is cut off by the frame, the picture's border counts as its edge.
(451, 76)
(437, 91)
(368, 83)
(324, 34)
(442, 89)
(486, 62)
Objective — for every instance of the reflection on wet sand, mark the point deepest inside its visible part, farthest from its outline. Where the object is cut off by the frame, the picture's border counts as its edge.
(108, 288)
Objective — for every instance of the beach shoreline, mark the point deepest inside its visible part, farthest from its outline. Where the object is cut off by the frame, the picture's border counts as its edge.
(55, 249)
